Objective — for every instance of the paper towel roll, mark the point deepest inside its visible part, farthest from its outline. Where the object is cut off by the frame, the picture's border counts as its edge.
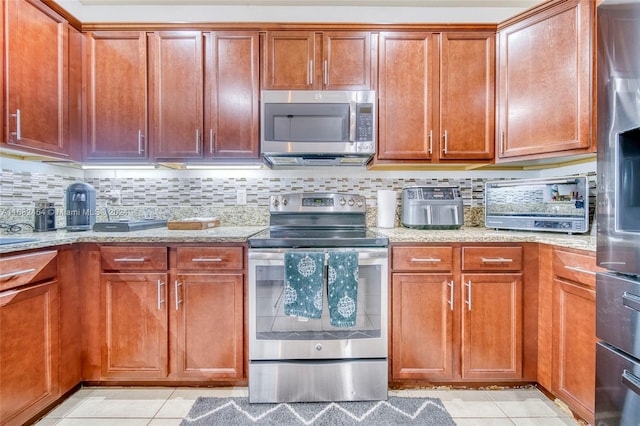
(387, 200)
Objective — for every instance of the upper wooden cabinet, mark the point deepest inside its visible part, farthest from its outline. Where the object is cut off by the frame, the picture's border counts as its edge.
(37, 65)
(231, 95)
(407, 73)
(467, 96)
(436, 96)
(116, 109)
(544, 82)
(305, 60)
(176, 87)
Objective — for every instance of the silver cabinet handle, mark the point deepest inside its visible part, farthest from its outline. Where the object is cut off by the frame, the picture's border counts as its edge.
(198, 140)
(211, 140)
(450, 284)
(130, 259)
(18, 131)
(7, 297)
(176, 285)
(16, 273)
(468, 301)
(426, 259)
(431, 141)
(206, 259)
(429, 215)
(140, 144)
(160, 299)
(446, 141)
(496, 260)
(310, 79)
(325, 73)
(577, 269)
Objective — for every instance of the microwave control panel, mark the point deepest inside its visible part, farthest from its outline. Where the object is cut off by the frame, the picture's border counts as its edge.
(364, 122)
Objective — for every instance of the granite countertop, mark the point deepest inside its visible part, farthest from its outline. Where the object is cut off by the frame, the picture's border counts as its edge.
(222, 234)
(487, 235)
(226, 234)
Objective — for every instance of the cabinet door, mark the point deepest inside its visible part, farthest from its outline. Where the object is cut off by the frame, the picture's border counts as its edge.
(29, 351)
(176, 87)
(289, 60)
(346, 61)
(467, 88)
(544, 99)
(407, 71)
(491, 326)
(574, 342)
(422, 326)
(117, 95)
(209, 326)
(135, 325)
(37, 66)
(232, 95)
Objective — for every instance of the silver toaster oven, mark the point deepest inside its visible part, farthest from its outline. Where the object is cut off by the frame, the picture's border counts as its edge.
(557, 204)
(432, 207)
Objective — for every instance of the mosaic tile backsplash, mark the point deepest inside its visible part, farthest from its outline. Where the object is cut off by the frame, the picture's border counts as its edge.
(177, 197)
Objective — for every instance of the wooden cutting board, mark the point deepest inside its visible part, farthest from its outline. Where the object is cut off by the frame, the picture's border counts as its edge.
(194, 223)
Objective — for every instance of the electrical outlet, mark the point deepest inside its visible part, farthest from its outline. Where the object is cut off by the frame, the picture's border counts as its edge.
(115, 197)
(241, 197)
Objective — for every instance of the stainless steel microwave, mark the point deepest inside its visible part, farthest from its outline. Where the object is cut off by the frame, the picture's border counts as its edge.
(324, 128)
(556, 205)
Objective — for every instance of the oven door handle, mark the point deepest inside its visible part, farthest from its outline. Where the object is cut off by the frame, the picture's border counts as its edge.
(279, 255)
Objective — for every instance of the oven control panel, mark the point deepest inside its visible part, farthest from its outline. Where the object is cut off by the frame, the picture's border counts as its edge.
(325, 202)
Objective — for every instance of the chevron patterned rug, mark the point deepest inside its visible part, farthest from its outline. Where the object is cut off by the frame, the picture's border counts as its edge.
(394, 411)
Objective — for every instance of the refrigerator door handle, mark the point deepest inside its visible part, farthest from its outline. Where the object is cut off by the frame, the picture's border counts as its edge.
(631, 381)
(631, 301)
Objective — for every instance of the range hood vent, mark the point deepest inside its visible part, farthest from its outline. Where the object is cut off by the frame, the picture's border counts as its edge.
(280, 161)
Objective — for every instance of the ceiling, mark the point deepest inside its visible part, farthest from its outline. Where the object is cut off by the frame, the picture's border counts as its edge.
(368, 11)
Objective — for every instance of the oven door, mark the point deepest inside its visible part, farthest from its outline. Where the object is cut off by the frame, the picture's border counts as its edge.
(276, 336)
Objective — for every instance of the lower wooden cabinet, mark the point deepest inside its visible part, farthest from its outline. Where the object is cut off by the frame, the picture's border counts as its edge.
(135, 325)
(209, 326)
(29, 348)
(574, 331)
(457, 313)
(172, 313)
(422, 326)
(491, 326)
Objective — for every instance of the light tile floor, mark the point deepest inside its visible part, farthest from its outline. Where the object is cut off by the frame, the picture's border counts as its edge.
(123, 406)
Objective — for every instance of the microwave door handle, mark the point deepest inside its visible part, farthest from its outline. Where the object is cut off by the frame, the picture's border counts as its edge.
(352, 121)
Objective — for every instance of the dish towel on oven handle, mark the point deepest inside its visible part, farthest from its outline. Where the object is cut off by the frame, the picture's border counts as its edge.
(342, 288)
(303, 284)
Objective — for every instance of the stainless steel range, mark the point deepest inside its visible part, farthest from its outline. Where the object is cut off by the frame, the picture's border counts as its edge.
(318, 302)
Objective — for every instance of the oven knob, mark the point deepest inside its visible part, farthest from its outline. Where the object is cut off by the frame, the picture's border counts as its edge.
(276, 202)
(284, 202)
(318, 347)
(359, 203)
(342, 201)
(351, 202)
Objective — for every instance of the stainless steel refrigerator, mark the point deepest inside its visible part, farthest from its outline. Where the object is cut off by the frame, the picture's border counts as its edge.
(618, 213)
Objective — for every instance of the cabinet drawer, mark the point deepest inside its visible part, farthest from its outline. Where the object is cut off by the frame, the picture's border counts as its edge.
(206, 258)
(23, 269)
(134, 258)
(423, 258)
(491, 258)
(576, 267)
